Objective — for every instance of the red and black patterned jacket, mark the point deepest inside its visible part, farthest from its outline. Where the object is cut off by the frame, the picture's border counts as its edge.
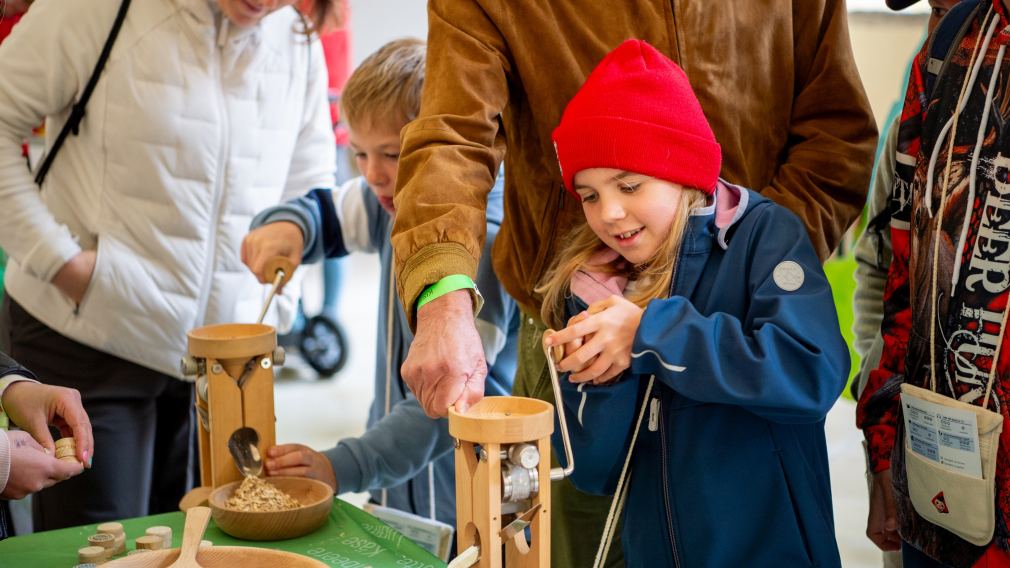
(965, 233)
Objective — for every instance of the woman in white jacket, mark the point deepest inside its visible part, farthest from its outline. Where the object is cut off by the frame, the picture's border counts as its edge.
(207, 111)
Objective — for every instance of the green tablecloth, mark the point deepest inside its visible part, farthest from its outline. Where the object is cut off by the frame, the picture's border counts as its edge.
(351, 538)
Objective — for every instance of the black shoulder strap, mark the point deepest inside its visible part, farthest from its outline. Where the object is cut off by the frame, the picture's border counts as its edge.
(77, 111)
(947, 34)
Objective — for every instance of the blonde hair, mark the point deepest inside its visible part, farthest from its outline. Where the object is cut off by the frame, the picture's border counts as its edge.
(386, 87)
(652, 277)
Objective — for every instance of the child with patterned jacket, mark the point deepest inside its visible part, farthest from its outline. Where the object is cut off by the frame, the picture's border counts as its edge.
(404, 457)
(701, 334)
(945, 306)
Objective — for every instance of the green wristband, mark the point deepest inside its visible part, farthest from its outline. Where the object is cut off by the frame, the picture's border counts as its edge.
(448, 284)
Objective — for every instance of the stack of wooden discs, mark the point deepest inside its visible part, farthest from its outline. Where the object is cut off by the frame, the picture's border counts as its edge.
(66, 449)
(150, 542)
(164, 532)
(92, 555)
(119, 536)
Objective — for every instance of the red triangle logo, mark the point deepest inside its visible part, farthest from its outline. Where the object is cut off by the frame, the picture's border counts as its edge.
(940, 503)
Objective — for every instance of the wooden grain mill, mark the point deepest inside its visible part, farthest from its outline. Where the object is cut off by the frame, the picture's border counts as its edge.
(503, 479)
(233, 364)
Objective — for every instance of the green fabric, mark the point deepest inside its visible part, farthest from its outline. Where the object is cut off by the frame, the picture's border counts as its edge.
(351, 538)
(578, 518)
(840, 272)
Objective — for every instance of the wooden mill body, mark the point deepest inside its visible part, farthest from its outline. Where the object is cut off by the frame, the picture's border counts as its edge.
(222, 353)
(492, 423)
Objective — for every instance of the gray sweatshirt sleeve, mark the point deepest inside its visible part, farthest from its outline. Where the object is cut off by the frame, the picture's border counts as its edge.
(395, 449)
(873, 259)
(333, 223)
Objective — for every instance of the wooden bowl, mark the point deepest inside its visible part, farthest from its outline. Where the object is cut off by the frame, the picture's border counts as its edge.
(315, 496)
(220, 557)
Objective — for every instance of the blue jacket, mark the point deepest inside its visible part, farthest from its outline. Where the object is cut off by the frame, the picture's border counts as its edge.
(730, 467)
(404, 454)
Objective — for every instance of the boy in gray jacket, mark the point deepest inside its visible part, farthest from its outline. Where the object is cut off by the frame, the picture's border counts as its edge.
(403, 458)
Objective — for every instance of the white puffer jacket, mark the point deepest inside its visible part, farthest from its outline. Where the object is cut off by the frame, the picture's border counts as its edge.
(194, 127)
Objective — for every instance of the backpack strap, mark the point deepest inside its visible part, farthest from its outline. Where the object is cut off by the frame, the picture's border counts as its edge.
(73, 123)
(947, 34)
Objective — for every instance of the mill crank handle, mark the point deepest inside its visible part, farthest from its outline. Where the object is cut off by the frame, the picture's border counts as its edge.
(554, 356)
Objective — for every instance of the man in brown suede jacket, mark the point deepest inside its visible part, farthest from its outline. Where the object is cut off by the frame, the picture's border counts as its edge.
(777, 82)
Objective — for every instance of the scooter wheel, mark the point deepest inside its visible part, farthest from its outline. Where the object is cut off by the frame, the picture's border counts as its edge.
(323, 346)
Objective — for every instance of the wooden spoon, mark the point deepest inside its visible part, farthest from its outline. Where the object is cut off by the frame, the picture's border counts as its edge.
(196, 524)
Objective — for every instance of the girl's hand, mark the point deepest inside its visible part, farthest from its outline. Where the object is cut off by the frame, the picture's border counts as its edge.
(607, 332)
(273, 239)
(300, 461)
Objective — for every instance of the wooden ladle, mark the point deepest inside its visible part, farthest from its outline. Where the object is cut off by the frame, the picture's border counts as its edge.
(196, 524)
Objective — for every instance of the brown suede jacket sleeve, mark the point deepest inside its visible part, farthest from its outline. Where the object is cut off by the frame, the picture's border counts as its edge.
(457, 143)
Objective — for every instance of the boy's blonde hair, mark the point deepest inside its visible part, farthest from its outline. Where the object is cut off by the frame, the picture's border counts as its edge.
(651, 278)
(386, 88)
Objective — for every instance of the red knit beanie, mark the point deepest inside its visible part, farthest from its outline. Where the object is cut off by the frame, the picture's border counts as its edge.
(636, 112)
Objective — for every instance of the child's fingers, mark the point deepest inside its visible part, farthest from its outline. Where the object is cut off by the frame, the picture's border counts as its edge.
(608, 376)
(574, 331)
(281, 449)
(292, 460)
(594, 370)
(297, 471)
(572, 347)
(581, 357)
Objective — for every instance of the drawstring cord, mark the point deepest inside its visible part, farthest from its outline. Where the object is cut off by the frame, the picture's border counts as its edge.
(975, 63)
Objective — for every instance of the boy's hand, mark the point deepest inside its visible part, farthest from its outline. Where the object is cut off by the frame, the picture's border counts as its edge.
(607, 332)
(74, 277)
(882, 522)
(282, 238)
(34, 406)
(32, 468)
(300, 461)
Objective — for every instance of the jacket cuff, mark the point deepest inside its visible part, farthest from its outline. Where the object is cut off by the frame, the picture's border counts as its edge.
(345, 468)
(7, 380)
(427, 266)
(49, 255)
(880, 445)
(5, 460)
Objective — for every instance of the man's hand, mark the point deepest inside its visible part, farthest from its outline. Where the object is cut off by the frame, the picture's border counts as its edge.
(607, 334)
(74, 277)
(33, 407)
(300, 461)
(32, 468)
(445, 365)
(282, 238)
(882, 522)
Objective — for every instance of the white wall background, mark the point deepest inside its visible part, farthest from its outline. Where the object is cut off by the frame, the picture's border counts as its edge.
(375, 22)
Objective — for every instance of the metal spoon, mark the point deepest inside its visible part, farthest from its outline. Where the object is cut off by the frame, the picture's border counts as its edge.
(243, 445)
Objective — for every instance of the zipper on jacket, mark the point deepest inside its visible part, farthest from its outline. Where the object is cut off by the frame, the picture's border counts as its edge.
(674, 36)
(219, 182)
(666, 485)
(653, 415)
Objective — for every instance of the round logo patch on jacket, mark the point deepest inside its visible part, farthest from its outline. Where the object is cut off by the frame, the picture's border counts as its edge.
(788, 275)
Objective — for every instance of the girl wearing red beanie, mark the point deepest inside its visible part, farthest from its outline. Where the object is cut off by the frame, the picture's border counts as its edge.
(702, 342)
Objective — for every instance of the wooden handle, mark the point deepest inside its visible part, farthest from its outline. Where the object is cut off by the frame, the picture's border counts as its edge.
(279, 263)
(196, 524)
